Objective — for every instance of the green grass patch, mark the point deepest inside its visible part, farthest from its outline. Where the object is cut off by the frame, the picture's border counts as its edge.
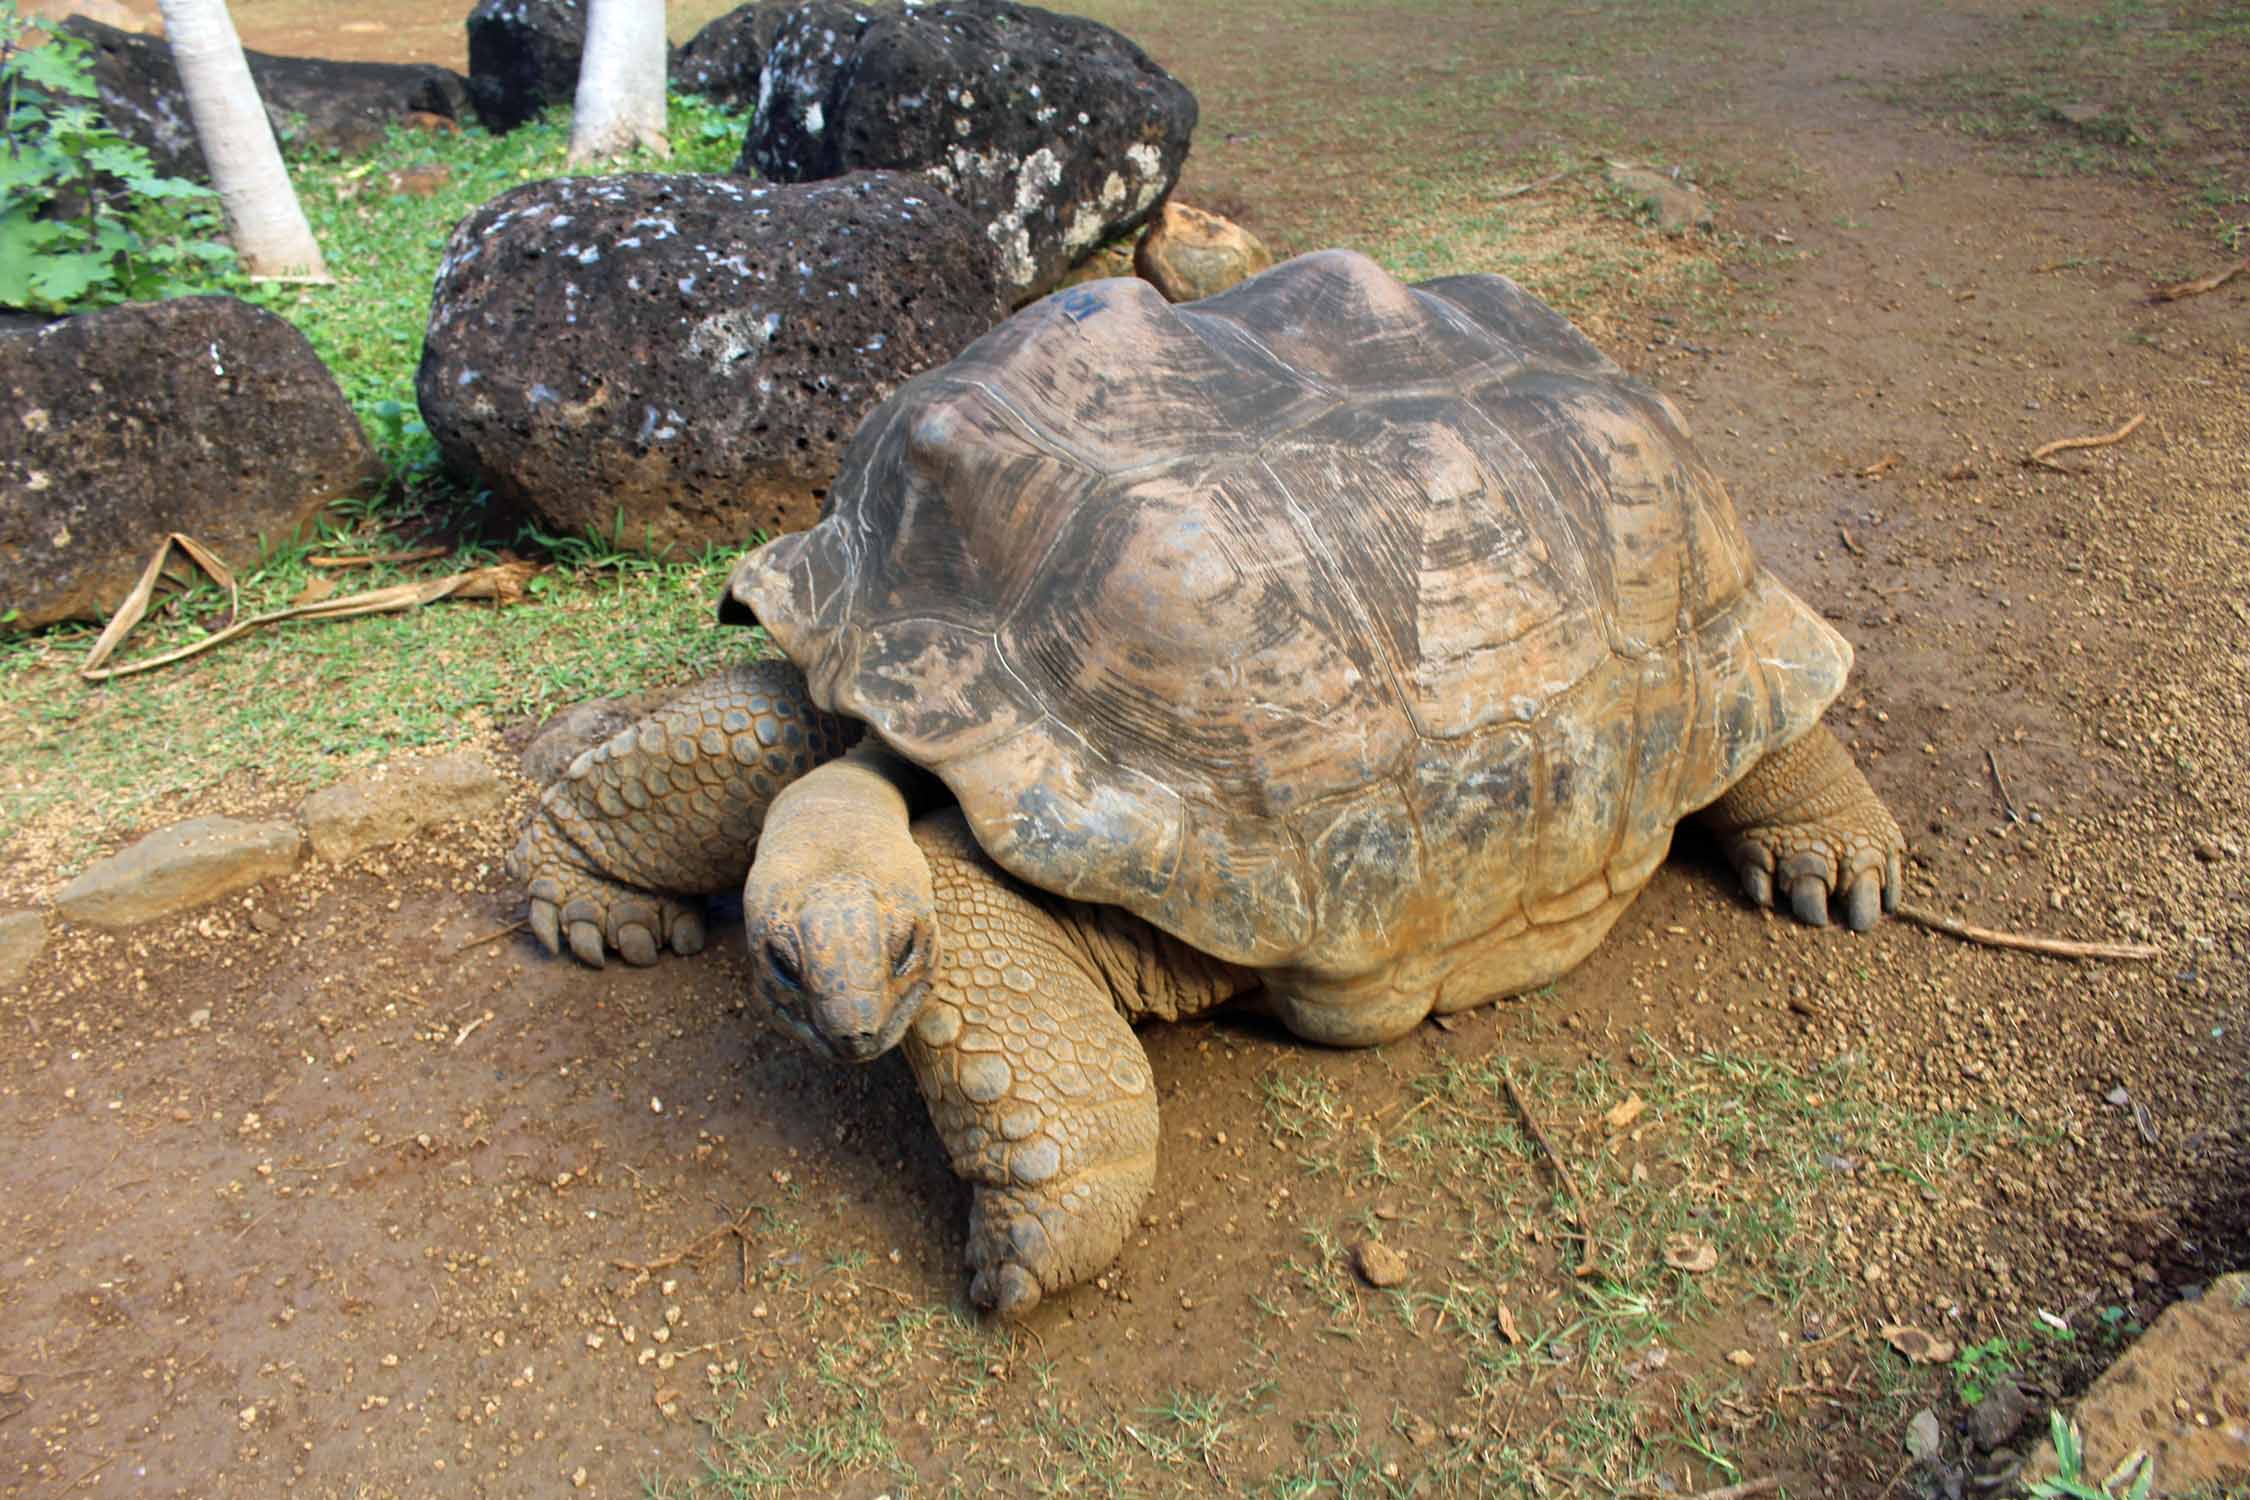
(1734, 1156)
(2126, 89)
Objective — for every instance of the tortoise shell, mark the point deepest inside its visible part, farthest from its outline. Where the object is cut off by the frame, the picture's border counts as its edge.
(1314, 622)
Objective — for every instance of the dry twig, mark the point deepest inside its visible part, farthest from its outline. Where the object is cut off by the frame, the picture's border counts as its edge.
(503, 583)
(369, 560)
(1549, 180)
(2024, 943)
(1562, 1173)
(1854, 548)
(2199, 286)
(517, 925)
(694, 1249)
(2041, 456)
(1741, 1491)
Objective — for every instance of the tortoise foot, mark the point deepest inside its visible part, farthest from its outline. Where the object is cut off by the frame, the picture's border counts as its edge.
(1805, 828)
(594, 913)
(1028, 1242)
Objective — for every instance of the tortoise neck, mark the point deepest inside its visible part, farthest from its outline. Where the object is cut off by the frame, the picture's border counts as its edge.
(1150, 974)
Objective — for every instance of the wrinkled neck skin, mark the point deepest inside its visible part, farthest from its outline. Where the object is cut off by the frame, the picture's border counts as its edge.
(838, 907)
(1150, 974)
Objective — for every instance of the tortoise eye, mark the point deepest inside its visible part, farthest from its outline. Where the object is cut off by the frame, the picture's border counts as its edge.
(784, 964)
(909, 953)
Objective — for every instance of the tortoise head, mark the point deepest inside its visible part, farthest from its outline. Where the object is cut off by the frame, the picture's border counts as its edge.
(840, 915)
(843, 964)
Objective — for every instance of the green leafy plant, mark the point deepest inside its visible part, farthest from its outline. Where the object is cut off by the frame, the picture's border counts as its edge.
(2137, 1473)
(409, 452)
(1978, 1367)
(2117, 1324)
(86, 220)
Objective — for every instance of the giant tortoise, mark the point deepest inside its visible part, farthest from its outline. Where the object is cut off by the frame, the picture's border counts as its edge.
(1333, 646)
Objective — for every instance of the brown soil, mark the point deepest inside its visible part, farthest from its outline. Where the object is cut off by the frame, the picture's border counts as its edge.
(329, 1189)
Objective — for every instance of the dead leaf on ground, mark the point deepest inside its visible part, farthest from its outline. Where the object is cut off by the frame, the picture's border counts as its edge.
(1918, 1347)
(1625, 1113)
(1686, 1253)
(1507, 1321)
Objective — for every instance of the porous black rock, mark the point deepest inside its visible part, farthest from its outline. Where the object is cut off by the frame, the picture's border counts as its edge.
(677, 361)
(723, 61)
(202, 415)
(1055, 132)
(523, 58)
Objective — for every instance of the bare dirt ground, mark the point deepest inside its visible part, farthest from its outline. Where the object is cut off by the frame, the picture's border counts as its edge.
(326, 1190)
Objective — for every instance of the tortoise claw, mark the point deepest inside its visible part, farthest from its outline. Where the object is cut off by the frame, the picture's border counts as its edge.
(1757, 884)
(687, 934)
(546, 923)
(1808, 898)
(1864, 904)
(636, 945)
(586, 943)
(1006, 1289)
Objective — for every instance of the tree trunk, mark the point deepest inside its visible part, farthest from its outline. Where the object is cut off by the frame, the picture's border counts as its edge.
(620, 102)
(269, 229)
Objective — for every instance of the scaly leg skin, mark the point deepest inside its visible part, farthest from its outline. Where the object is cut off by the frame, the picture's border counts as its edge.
(1036, 1083)
(625, 846)
(1805, 824)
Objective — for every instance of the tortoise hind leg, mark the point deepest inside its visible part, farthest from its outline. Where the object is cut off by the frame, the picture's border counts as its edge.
(624, 847)
(1034, 1079)
(1805, 824)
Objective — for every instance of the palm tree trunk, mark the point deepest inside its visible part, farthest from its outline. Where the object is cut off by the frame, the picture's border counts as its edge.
(269, 228)
(620, 102)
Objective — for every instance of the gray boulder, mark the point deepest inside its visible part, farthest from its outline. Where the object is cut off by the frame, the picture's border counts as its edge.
(395, 801)
(724, 59)
(201, 414)
(345, 106)
(523, 58)
(176, 868)
(1055, 132)
(679, 360)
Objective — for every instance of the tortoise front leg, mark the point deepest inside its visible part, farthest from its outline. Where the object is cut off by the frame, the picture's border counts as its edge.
(1035, 1080)
(624, 847)
(1804, 825)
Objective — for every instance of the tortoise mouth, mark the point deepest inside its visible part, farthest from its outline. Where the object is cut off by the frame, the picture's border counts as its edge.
(858, 1046)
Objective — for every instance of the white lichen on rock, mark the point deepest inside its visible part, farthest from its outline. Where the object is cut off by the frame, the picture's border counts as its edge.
(727, 338)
